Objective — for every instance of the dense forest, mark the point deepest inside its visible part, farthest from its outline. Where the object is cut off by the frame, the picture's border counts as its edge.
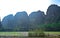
(36, 20)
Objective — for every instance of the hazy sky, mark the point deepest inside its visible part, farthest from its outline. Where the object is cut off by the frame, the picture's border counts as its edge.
(13, 6)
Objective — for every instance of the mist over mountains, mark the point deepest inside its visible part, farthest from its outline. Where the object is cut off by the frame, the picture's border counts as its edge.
(36, 20)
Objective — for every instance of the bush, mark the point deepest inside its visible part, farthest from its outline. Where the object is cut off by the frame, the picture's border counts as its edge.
(36, 33)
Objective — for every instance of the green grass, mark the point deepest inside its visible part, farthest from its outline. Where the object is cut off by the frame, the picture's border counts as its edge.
(22, 34)
(54, 33)
(11, 34)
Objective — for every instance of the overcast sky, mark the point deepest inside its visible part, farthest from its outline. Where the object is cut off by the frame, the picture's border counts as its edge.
(13, 6)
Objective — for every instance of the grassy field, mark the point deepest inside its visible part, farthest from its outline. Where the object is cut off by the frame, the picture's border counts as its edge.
(13, 33)
(24, 33)
(53, 33)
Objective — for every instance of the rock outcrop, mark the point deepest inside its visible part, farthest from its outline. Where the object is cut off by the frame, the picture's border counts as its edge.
(36, 19)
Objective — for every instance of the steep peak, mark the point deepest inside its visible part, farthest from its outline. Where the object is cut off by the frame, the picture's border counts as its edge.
(53, 9)
(21, 13)
(53, 5)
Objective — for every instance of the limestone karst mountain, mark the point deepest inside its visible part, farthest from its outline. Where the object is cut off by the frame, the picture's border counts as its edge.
(53, 14)
(22, 22)
(7, 22)
(36, 19)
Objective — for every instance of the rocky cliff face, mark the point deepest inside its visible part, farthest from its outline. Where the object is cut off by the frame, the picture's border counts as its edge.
(21, 21)
(36, 19)
(53, 14)
(8, 22)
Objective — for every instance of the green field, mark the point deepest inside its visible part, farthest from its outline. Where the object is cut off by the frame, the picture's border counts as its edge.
(13, 33)
(23, 33)
(53, 33)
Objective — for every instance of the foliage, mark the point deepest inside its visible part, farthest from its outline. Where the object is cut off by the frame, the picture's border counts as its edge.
(36, 33)
(53, 27)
